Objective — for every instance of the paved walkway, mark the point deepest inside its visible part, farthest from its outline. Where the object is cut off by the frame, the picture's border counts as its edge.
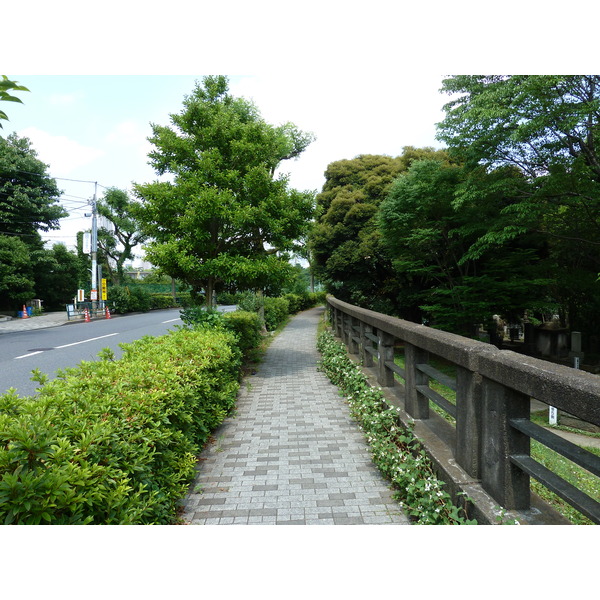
(291, 455)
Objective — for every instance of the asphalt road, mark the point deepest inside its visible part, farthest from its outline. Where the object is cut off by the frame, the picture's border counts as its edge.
(66, 346)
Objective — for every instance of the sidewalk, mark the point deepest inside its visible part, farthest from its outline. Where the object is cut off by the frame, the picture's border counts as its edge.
(50, 319)
(292, 455)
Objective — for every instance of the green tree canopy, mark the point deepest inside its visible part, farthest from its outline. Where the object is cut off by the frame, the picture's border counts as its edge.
(28, 204)
(547, 127)
(225, 218)
(346, 243)
(435, 246)
(118, 242)
(17, 283)
(28, 195)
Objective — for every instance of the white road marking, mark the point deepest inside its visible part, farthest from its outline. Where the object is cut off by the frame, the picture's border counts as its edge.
(67, 345)
(85, 341)
(171, 320)
(31, 354)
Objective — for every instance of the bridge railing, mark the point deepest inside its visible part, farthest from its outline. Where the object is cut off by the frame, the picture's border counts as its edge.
(493, 391)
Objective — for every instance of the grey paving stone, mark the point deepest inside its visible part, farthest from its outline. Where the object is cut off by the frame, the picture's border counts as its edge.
(291, 455)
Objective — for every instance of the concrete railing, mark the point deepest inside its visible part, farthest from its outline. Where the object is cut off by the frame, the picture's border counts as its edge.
(488, 448)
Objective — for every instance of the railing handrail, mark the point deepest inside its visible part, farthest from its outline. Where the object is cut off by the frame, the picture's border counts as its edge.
(574, 391)
(493, 392)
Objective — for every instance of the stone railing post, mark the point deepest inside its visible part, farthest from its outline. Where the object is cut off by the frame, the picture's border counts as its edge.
(346, 325)
(416, 404)
(337, 322)
(505, 482)
(352, 343)
(385, 353)
(366, 357)
(468, 421)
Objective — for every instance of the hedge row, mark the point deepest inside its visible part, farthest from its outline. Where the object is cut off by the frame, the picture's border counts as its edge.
(135, 298)
(116, 442)
(277, 310)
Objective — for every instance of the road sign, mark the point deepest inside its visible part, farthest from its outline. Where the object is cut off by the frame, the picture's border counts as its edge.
(104, 290)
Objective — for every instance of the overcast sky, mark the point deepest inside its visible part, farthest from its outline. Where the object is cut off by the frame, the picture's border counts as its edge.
(95, 128)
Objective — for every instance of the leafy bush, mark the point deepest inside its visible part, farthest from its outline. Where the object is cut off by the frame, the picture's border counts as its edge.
(115, 442)
(317, 298)
(296, 302)
(249, 302)
(246, 326)
(158, 301)
(126, 299)
(276, 312)
(198, 316)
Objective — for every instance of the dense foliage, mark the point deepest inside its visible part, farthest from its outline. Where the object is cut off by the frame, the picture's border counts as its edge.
(28, 205)
(225, 218)
(347, 251)
(115, 442)
(546, 127)
(435, 247)
(505, 221)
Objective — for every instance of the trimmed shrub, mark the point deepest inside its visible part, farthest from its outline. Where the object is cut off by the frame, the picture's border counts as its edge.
(246, 326)
(249, 301)
(198, 316)
(158, 301)
(295, 302)
(276, 312)
(317, 298)
(115, 442)
(126, 299)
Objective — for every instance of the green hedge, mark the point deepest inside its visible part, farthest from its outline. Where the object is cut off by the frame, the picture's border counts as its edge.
(126, 299)
(115, 442)
(246, 326)
(276, 312)
(158, 301)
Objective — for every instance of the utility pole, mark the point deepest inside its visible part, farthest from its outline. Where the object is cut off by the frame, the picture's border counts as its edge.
(94, 292)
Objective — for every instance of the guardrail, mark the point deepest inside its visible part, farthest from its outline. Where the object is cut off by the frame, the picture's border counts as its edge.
(490, 440)
(75, 311)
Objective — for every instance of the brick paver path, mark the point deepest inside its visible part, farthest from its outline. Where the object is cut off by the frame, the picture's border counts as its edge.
(291, 454)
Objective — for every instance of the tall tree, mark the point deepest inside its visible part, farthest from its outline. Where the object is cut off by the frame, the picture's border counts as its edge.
(118, 242)
(548, 127)
(17, 283)
(28, 195)
(225, 218)
(57, 277)
(28, 204)
(348, 255)
(434, 244)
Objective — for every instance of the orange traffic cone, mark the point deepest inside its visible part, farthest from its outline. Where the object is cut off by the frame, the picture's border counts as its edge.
(107, 313)
(87, 316)
(24, 315)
